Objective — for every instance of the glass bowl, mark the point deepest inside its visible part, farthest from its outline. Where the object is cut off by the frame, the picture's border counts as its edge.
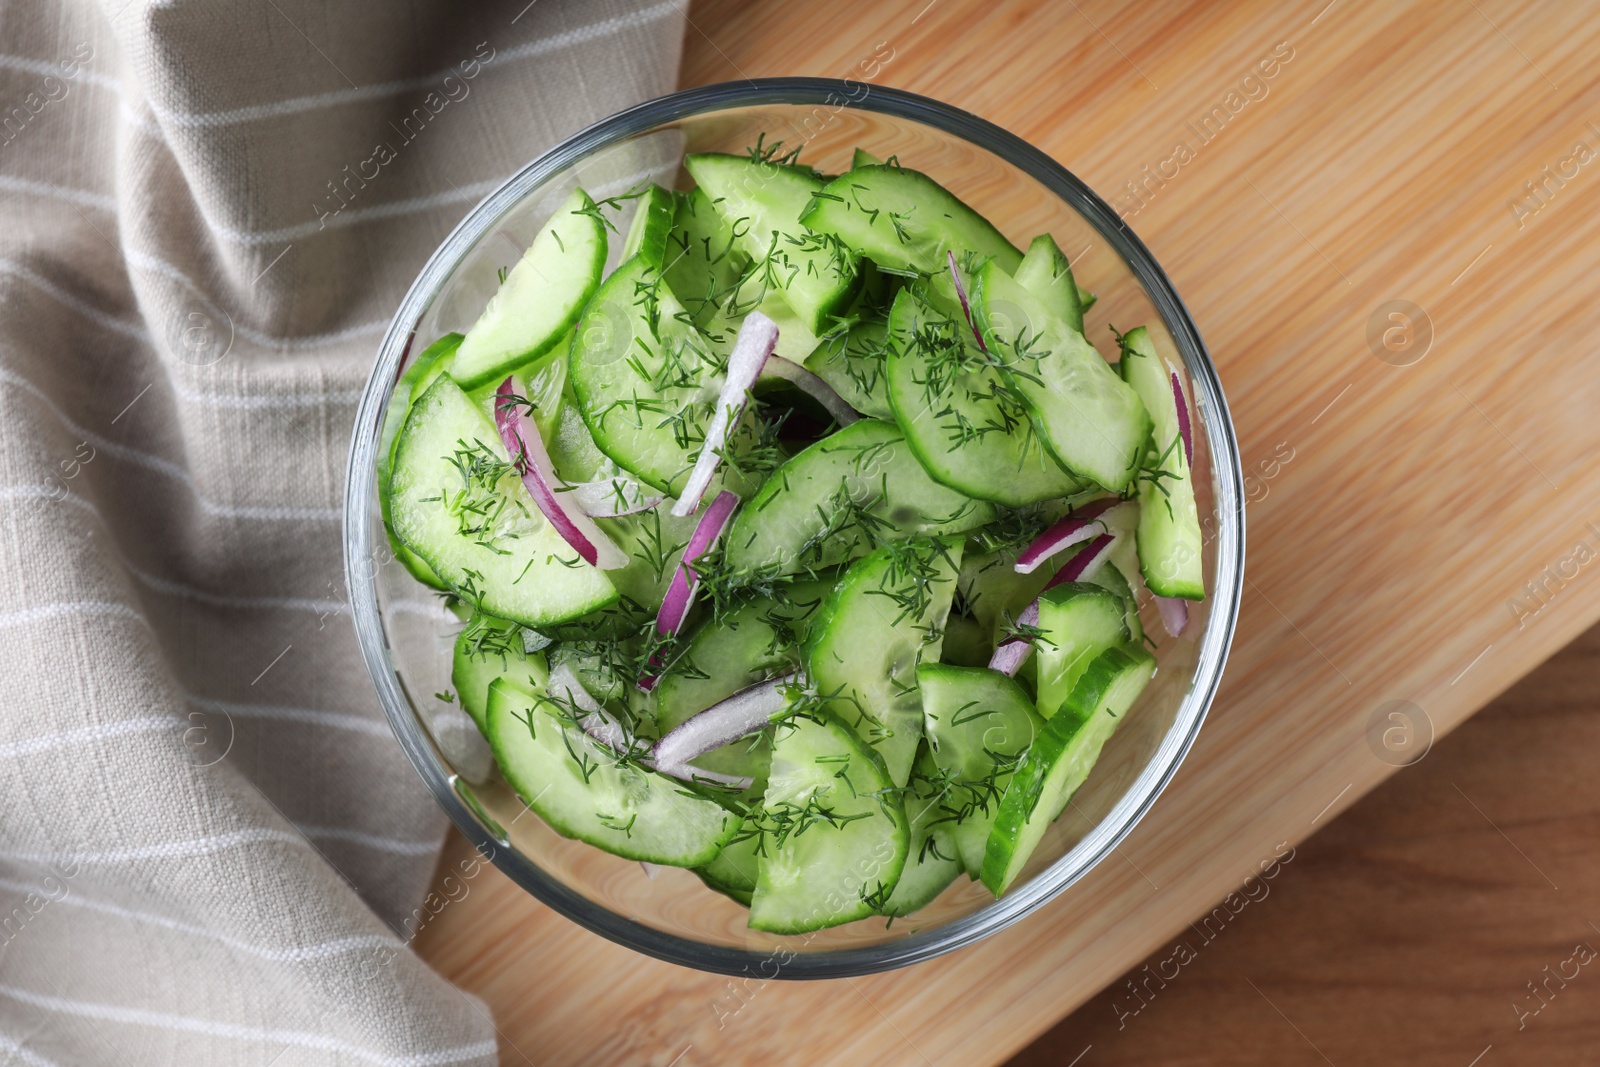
(406, 634)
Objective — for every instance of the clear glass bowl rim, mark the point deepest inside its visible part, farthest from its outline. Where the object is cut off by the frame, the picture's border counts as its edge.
(1213, 412)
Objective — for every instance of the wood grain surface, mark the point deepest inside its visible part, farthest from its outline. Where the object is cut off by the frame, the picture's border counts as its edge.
(1412, 929)
(1402, 518)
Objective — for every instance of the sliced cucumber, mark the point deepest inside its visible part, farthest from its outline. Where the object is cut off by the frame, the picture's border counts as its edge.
(1079, 621)
(932, 862)
(828, 504)
(762, 202)
(585, 791)
(834, 833)
(1110, 577)
(966, 642)
(1061, 758)
(979, 722)
(966, 424)
(757, 640)
(429, 364)
(904, 220)
(884, 617)
(1046, 274)
(704, 260)
(487, 649)
(1087, 416)
(540, 299)
(862, 158)
(851, 359)
(644, 379)
(652, 222)
(457, 502)
(994, 593)
(1169, 522)
(732, 872)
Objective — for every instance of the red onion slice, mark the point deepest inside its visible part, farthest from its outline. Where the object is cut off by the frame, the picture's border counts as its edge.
(1079, 525)
(1011, 654)
(685, 581)
(723, 723)
(814, 387)
(1182, 404)
(758, 336)
(532, 461)
(1174, 614)
(966, 305)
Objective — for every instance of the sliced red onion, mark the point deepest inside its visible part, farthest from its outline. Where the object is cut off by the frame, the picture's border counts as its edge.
(744, 713)
(966, 305)
(1011, 654)
(532, 461)
(685, 581)
(1174, 614)
(1182, 403)
(1080, 525)
(813, 386)
(758, 336)
(613, 498)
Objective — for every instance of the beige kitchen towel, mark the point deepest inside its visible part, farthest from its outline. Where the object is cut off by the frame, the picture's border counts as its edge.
(212, 850)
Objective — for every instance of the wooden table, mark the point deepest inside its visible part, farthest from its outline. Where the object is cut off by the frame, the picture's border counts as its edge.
(1387, 158)
(1408, 929)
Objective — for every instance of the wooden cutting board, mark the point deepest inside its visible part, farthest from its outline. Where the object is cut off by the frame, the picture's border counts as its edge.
(1446, 155)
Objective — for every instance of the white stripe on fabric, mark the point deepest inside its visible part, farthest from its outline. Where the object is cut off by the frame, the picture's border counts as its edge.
(263, 603)
(199, 846)
(316, 101)
(298, 954)
(80, 197)
(47, 69)
(392, 209)
(374, 841)
(337, 720)
(79, 735)
(67, 608)
(135, 330)
(213, 1028)
(171, 469)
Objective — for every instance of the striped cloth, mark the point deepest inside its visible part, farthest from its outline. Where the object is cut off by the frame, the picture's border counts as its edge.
(211, 849)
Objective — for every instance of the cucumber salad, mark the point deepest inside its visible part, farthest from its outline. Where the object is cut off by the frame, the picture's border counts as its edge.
(805, 548)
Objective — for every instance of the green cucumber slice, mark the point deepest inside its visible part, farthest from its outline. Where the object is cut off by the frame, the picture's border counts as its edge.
(852, 361)
(762, 202)
(994, 594)
(1110, 577)
(1079, 621)
(862, 158)
(457, 502)
(884, 617)
(834, 832)
(487, 649)
(652, 221)
(1085, 414)
(756, 640)
(979, 722)
(966, 642)
(732, 872)
(828, 504)
(704, 260)
(1169, 522)
(585, 791)
(1061, 758)
(1046, 274)
(966, 424)
(541, 297)
(644, 380)
(904, 220)
(932, 862)
(429, 364)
